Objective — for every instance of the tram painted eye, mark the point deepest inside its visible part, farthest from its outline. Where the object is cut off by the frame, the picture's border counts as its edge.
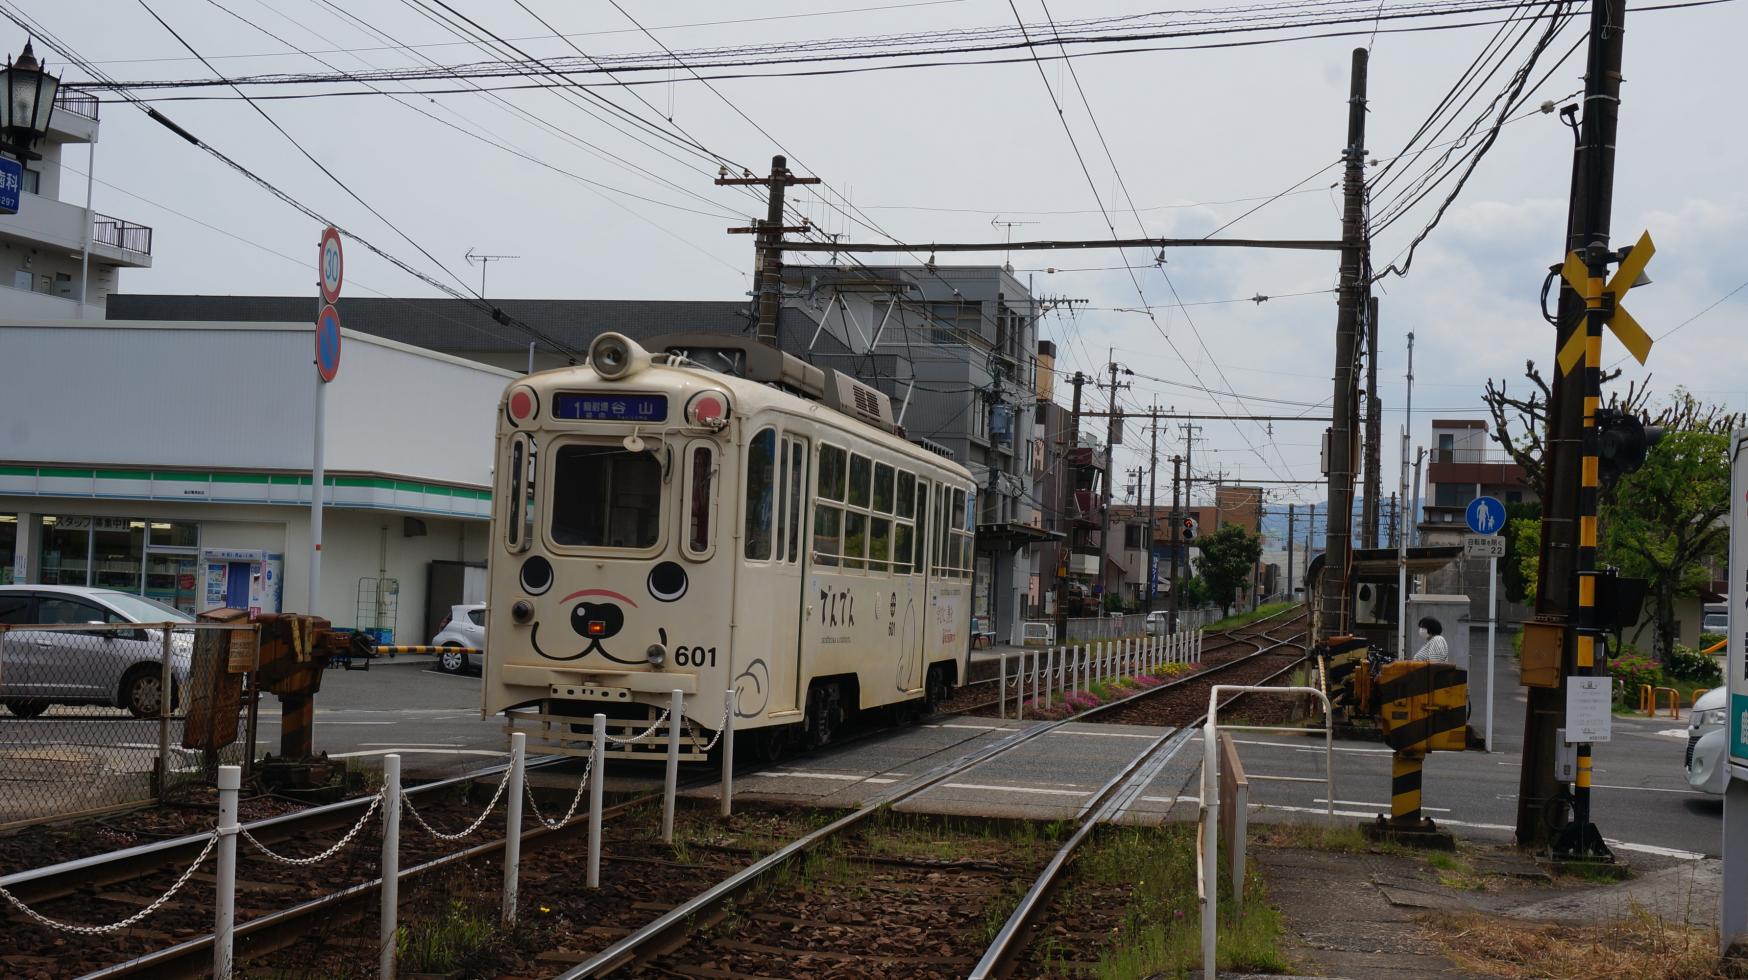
(536, 575)
(667, 581)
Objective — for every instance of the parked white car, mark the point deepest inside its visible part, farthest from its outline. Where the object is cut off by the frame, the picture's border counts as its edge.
(463, 628)
(1708, 748)
(107, 666)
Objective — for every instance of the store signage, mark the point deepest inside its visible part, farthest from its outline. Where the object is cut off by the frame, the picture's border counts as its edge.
(231, 554)
(92, 523)
(11, 182)
(610, 408)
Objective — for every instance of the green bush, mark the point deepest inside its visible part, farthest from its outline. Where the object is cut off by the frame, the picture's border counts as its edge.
(1707, 640)
(1688, 664)
(1632, 671)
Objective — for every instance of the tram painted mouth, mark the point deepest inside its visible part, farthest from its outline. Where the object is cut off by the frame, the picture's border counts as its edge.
(594, 621)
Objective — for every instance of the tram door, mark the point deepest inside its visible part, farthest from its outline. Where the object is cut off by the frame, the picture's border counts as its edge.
(789, 568)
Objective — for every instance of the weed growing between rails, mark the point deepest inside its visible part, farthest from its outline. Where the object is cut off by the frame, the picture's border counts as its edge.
(1104, 692)
(1130, 911)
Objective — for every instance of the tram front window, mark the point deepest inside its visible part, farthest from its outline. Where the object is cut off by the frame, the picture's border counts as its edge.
(606, 497)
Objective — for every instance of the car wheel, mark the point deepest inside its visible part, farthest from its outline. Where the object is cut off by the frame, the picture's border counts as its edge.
(27, 709)
(452, 660)
(142, 692)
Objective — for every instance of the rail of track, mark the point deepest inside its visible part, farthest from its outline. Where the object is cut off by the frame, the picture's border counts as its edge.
(673, 928)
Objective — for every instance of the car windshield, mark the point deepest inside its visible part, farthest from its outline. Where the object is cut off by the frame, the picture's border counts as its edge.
(143, 610)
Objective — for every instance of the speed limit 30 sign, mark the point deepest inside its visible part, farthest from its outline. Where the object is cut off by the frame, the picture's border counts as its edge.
(331, 263)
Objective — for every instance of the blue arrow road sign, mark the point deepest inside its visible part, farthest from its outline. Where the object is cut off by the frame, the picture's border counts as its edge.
(1486, 515)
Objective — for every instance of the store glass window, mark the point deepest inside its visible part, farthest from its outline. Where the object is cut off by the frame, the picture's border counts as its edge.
(8, 546)
(118, 552)
(66, 550)
(175, 534)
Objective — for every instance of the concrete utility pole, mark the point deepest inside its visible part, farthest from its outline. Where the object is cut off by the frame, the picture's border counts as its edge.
(768, 262)
(1290, 579)
(1115, 420)
(1153, 510)
(1177, 538)
(1374, 423)
(1568, 548)
(1339, 550)
(1066, 549)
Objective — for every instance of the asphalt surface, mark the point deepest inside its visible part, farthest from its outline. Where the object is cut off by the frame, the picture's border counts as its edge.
(1641, 798)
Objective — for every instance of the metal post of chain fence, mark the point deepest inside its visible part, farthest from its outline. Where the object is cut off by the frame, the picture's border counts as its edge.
(727, 753)
(670, 788)
(513, 825)
(1020, 687)
(391, 864)
(224, 918)
(1049, 675)
(161, 770)
(1001, 688)
(598, 776)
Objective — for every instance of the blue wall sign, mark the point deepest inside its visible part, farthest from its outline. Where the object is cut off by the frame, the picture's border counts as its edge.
(1486, 515)
(11, 182)
(609, 408)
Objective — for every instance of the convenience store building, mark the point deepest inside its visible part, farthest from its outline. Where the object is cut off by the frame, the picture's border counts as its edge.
(172, 460)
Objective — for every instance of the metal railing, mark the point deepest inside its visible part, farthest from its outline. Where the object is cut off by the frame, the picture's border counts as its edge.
(1471, 456)
(88, 725)
(77, 103)
(124, 235)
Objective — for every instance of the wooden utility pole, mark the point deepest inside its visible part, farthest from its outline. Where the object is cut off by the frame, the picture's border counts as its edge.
(1566, 495)
(1111, 430)
(1369, 521)
(1065, 551)
(1339, 549)
(1153, 511)
(768, 261)
(1290, 579)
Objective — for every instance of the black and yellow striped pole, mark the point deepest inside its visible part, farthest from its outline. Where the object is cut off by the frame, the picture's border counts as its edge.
(1405, 768)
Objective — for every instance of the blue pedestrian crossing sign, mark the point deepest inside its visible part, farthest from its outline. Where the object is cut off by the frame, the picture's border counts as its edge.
(1486, 515)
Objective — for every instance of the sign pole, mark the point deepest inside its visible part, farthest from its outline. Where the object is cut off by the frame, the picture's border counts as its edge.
(1492, 623)
(330, 275)
(317, 479)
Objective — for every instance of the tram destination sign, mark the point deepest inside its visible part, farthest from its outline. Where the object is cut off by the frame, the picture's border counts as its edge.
(577, 407)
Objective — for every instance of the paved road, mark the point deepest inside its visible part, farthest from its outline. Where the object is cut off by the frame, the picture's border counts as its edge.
(1641, 796)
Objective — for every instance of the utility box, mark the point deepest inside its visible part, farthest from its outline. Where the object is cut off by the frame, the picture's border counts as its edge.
(1540, 656)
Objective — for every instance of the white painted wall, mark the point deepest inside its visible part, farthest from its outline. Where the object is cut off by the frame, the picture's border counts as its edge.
(229, 396)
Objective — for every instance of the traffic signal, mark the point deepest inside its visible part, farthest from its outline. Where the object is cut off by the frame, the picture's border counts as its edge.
(1622, 442)
(1189, 529)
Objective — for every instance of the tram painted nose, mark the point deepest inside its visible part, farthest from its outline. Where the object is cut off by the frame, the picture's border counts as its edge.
(597, 620)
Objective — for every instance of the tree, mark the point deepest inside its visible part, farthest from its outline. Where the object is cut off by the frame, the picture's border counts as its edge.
(1228, 556)
(1665, 522)
(1523, 521)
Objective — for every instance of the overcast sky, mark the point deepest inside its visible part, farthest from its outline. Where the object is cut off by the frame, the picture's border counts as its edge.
(938, 154)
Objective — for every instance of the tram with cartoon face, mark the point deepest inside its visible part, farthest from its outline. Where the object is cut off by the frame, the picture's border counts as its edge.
(715, 517)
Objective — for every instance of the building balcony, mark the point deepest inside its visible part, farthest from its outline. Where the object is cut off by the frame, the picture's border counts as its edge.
(28, 304)
(48, 223)
(75, 117)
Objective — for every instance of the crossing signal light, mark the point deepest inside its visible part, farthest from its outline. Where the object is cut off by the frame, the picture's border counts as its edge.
(1189, 528)
(1622, 442)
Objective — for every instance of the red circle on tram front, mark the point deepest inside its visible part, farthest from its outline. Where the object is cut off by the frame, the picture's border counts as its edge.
(521, 404)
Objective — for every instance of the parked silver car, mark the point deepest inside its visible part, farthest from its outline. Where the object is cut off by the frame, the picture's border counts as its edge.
(105, 665)
(463, 628)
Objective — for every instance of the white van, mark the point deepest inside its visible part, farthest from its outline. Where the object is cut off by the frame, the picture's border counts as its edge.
(1708, 747)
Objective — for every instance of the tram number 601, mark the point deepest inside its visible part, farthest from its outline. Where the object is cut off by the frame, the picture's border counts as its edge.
(694, 656)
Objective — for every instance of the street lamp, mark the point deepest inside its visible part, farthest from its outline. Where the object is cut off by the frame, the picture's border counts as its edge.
(29, 101)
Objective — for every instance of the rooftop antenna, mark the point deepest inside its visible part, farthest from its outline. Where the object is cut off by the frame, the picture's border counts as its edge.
(996, 222)
(474, 258)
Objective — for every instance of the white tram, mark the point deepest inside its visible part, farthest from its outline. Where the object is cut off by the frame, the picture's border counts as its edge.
(650, 532)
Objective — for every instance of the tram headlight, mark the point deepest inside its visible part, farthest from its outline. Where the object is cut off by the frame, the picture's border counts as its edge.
(614, 356)
(656, 655)
(522, 611)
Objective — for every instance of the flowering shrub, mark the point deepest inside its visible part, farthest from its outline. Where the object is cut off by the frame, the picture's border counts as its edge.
(1630, 672)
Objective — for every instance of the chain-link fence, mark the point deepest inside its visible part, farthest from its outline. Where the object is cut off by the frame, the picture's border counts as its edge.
(102, 714)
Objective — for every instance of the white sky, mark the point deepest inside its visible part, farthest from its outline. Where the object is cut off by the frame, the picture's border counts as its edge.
(1183, 126)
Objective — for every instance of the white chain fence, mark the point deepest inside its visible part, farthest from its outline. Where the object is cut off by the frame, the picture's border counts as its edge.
(696, 738)
(80, 930)
(304, 862)
(577, 800)
(647, 732)
(407, 801)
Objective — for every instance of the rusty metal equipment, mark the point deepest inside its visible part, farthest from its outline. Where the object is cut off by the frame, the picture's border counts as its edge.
(1421, 707)
(294, 651)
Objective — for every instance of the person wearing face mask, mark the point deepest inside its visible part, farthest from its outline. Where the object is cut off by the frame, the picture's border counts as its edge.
(1433, 647)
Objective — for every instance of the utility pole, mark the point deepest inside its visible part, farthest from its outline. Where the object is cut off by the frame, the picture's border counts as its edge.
(1153, 510)
(1256, 572)
(1392, 536)
(1065, 551)
(1290, 578)
(1339, 550)
(1568, 549)
(1374, 424)
(1116, 419)
(768, 261)
(1177, 537)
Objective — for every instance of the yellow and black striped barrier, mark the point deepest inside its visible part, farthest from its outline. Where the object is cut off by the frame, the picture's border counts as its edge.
(405, 648)
(1422, 707)
(1342, 665)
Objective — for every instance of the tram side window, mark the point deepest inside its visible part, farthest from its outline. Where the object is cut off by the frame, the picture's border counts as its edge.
(907, 494)
(827, 532)
(606, 497)
(700, 502)
(855, 538)
(902, 540)
(920, 556)
(883, 476)
(831, 473)
(960, 554)
(797, 484)
(860, 468)
(879, 543)
(761, 491)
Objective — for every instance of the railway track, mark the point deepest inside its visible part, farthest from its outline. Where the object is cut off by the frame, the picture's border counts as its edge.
(689, 939)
